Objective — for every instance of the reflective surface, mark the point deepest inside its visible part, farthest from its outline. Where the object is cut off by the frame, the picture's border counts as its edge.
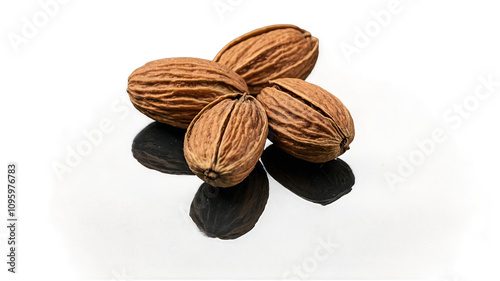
(159, 147)
(228, 213)
(225, 213)
(107, 217)
(319, 183)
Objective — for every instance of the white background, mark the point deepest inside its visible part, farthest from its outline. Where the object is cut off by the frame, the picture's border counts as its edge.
(111, 218)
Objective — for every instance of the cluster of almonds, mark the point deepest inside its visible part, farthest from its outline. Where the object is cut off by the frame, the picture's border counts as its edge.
(254, 89)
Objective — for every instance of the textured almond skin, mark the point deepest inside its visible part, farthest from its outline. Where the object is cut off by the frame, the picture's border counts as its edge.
(225, 140)
(174, 90)
(271, 52)
(306, 121)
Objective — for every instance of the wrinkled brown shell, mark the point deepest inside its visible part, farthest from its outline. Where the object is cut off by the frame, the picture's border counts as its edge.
(306, 121)
(174, 90)
(225, 140)
(271, 52)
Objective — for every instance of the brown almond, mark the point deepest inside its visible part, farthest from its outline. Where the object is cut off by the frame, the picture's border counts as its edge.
(174, 90)
(306, 121)
(271, 52)
(225, 140)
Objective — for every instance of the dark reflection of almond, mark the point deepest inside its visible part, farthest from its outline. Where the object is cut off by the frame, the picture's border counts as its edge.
(320, 183)
(230, 212)
(159, 147)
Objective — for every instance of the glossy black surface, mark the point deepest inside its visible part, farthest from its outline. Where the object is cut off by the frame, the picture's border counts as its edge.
(159, 147)
(321, 183)
(228, 213)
